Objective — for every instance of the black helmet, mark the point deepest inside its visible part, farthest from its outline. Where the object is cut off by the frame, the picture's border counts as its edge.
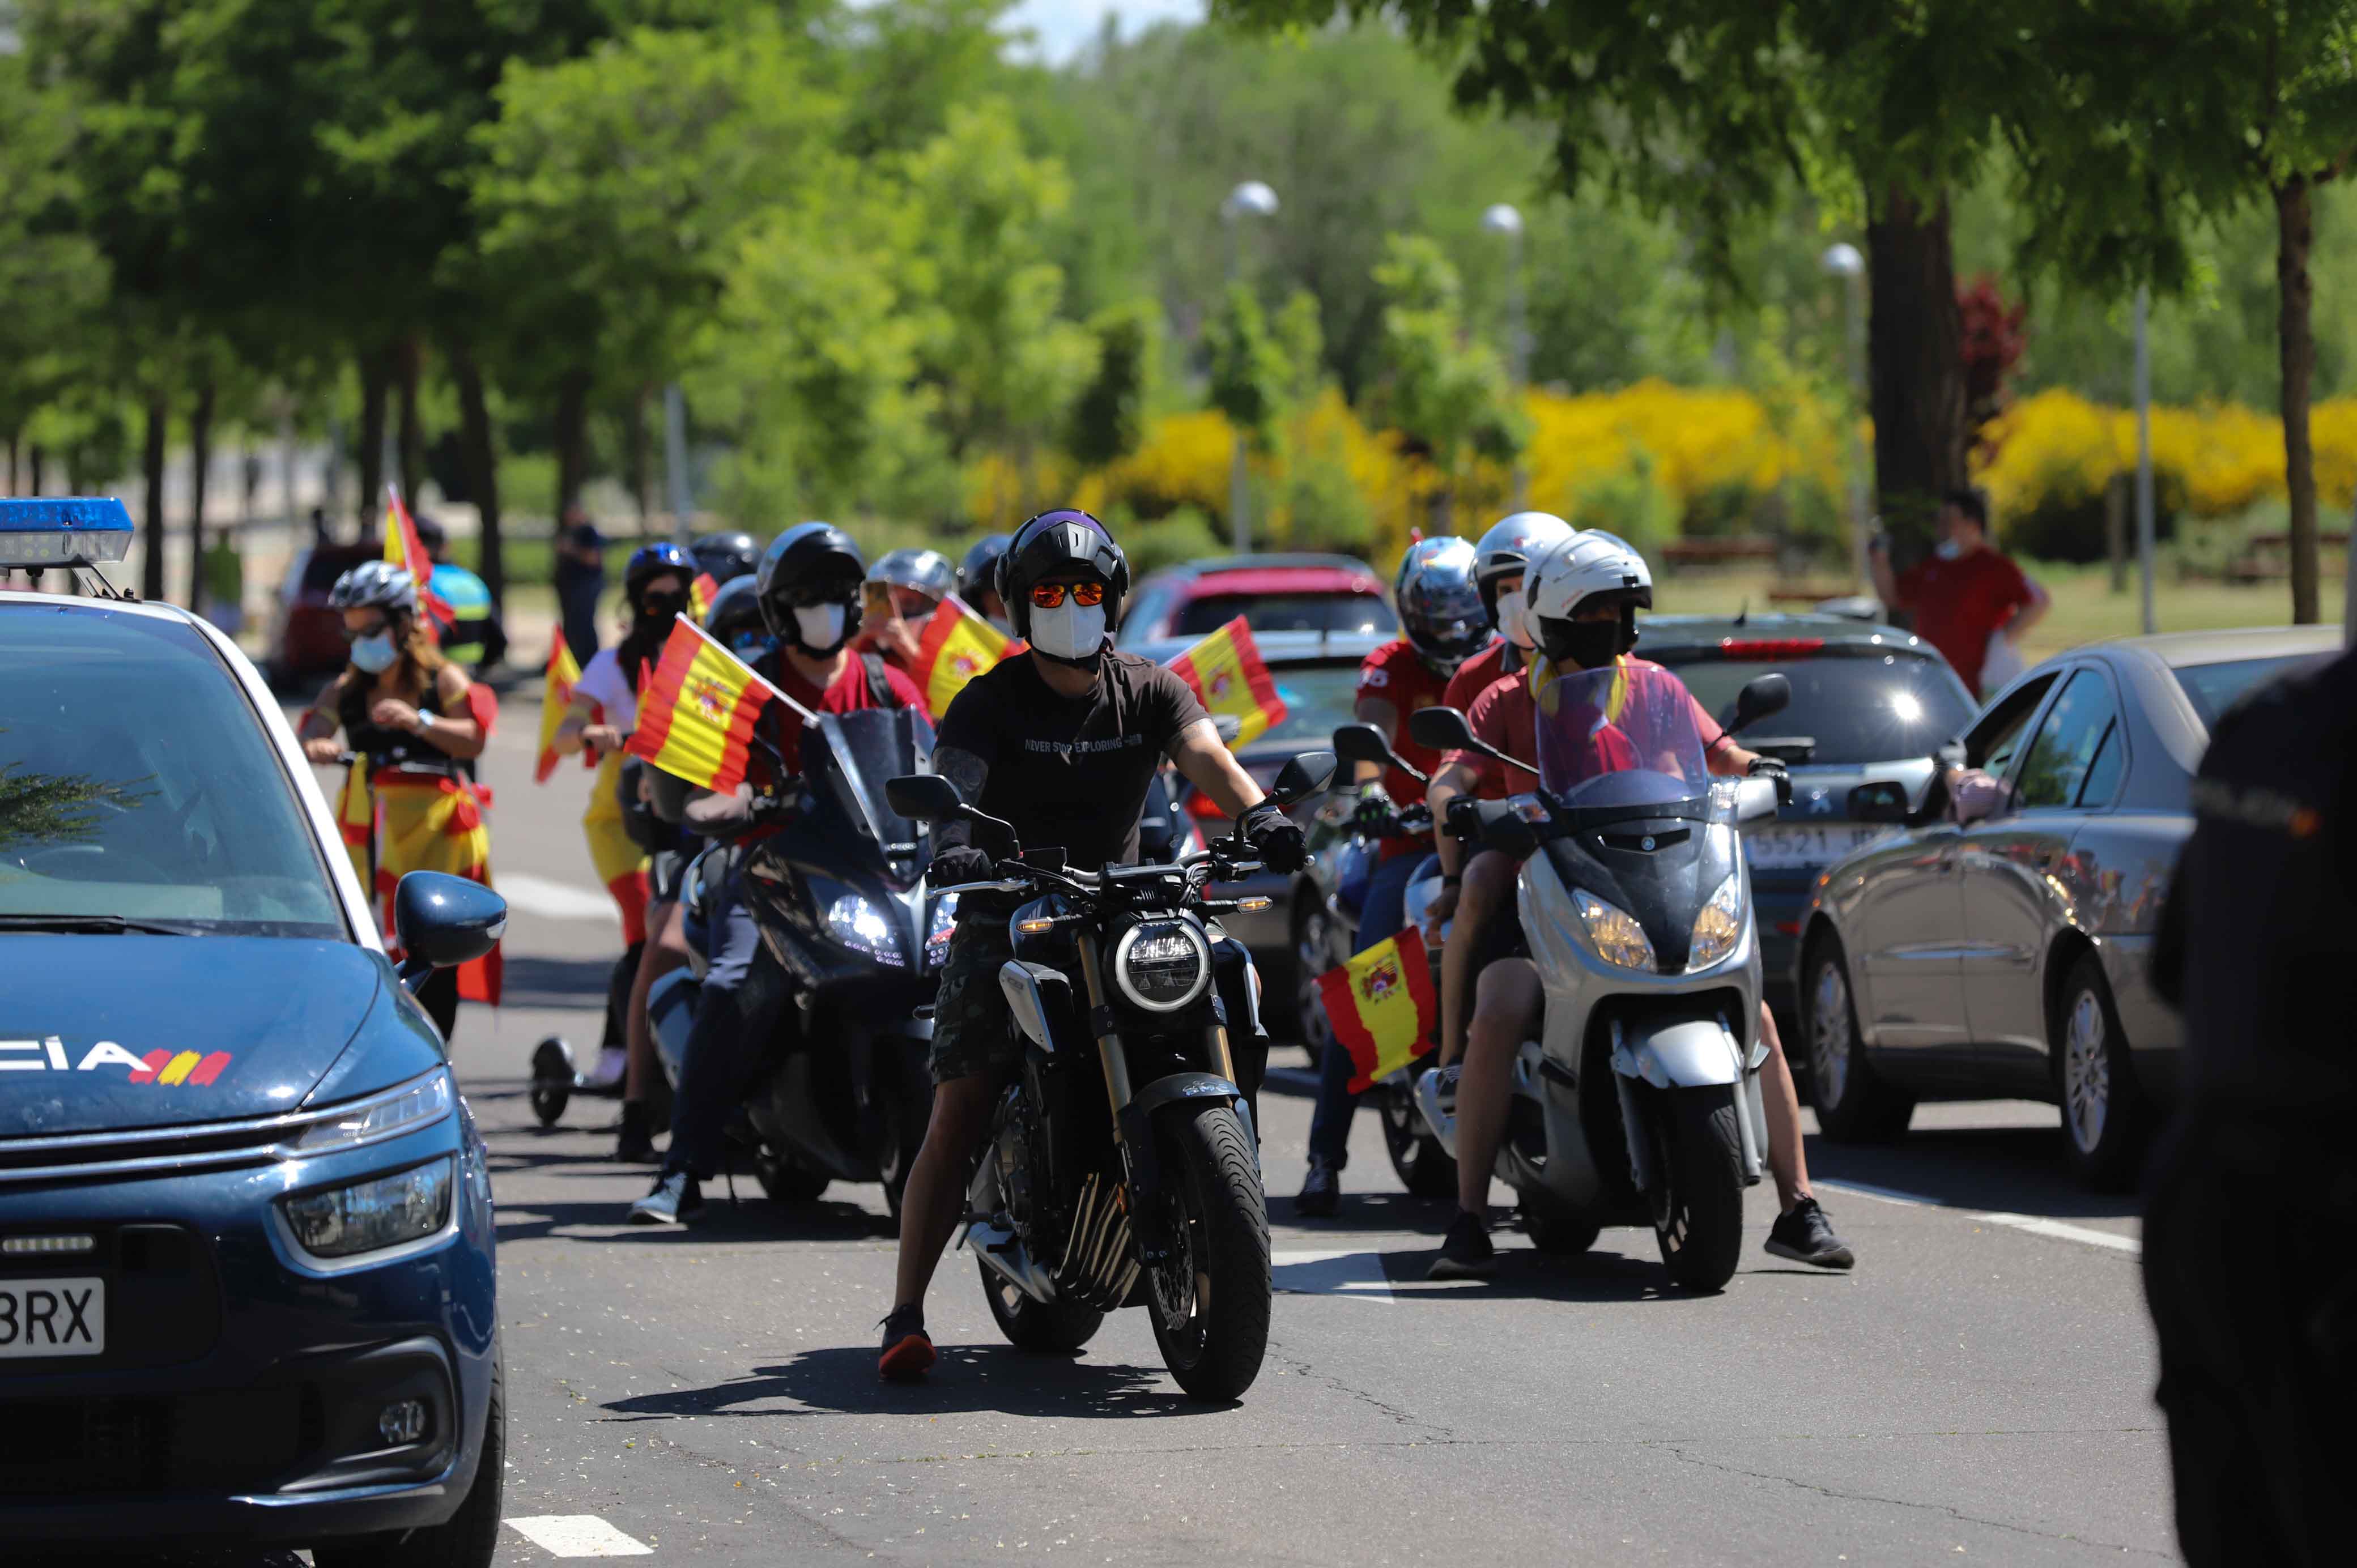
(979, 570)
(809, 564)
(725, 556)
(1061, 541)
(736, 611)
(375, 585)
(1439, 607)
(649, 561)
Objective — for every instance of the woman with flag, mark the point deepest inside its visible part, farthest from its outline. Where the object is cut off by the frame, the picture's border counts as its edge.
(411, 720)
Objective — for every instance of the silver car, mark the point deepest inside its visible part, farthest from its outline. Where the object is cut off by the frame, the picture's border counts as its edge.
(2006, 959)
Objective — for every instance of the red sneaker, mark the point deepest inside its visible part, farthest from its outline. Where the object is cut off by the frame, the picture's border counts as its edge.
(907, 1349)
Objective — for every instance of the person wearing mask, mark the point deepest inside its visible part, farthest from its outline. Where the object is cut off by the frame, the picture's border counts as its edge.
(410, 718)
(580, 581)
(1443, 626)
(977, 582)
(1582, 598)
(807, 588)
(904, 588)
(474, 633)
(1968, 601)
(1060, 744)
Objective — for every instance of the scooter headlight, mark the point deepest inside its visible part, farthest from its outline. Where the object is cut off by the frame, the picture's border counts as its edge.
(863, 928)
(1719, 926)
(1162, 965)
(944, 927)
(1613, 932)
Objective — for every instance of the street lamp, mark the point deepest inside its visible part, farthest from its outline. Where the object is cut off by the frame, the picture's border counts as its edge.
(1842, 260)
(1501, 218)
(1250, 199)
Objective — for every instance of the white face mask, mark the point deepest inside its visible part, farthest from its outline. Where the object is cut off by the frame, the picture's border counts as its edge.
(1510, 619)
(821, 626)
(1071, 630)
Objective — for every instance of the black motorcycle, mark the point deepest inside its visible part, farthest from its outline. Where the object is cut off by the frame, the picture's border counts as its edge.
(1123, 1168)
(843, 1093)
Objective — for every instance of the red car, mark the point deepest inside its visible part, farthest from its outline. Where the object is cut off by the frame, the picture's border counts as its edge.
(307, 637)
(1316, 594)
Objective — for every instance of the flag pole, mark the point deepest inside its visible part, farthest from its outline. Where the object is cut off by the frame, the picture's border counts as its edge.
(722, 648)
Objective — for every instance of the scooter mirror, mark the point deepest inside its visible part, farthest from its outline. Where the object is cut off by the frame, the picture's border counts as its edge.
(1441, 729)
(1306, 775)
(922, 797)
(1760, 697)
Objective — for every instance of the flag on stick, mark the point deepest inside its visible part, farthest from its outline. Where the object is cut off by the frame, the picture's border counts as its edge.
(697, 711)
(1226, 671)
(958, 645)
(555, 696)
(406, 550)
(1382, 1007)
(700, 595)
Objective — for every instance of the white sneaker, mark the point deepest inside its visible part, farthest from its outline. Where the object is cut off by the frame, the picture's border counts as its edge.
(612, 1062)
(1435, 1101)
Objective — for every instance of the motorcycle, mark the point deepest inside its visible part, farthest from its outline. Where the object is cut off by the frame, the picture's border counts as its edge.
(842, 1092)
(1639, 1103)
(1123, 1166)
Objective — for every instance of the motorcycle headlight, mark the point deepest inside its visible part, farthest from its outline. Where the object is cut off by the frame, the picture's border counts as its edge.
(1719, 926)
(371, 1216)
(863, 928)
(944, 927)
(1613, 932)
(1162, 965)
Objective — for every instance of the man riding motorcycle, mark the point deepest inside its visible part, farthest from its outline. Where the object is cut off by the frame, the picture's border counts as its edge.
(1060, 745)
(809, 586)
(1443, 626)
(1582, 601)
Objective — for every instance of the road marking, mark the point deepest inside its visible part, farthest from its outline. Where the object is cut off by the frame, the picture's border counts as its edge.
(2035, 1225)
(578, 1535)
(553, 900)
(1353, 1272)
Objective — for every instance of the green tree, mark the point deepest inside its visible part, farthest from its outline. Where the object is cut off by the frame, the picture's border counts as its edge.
(1109, 419)
(1448, 392)
(1250, 374)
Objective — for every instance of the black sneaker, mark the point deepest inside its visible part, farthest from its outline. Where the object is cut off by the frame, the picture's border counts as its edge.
(1322, 1192)
(1465, 1254)
(636, 1146)
(1805, 1235)
(907, 1351)
(677, 1198)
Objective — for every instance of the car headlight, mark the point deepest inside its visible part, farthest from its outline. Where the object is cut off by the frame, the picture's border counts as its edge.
(1613, 932)
(943, 927)
(863, 928)
(372, 1121)
(1719, 926)
(1162, 965)
(372, 1215)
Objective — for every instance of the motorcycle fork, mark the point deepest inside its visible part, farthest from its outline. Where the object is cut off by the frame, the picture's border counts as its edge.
(1132, 1140)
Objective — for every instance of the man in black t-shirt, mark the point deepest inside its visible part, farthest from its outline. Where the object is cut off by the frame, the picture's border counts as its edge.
(1061, 744)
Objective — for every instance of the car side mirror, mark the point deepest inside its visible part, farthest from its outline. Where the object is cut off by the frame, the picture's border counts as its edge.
(442, 921)
(1306, 775)
(1761, 695)
(1884, 800)
(922, 797)
(1441, 729)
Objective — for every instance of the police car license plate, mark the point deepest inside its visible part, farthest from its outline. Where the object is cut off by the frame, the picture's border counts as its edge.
(1790, 846)
(52, 1318)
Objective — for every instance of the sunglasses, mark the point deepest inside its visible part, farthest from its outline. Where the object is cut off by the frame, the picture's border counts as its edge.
(1050, 595)
(377, 631)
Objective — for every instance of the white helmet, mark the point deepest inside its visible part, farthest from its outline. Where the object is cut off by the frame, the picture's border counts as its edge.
(1505, 551)
(1577, 573)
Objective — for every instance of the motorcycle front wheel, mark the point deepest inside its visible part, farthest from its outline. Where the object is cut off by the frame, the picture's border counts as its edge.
(1028, 1325)
(1699, 1220)
(1210, 1296)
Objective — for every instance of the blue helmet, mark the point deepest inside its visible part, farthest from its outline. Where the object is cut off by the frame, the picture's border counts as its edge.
(649, 561)
(1439, 602)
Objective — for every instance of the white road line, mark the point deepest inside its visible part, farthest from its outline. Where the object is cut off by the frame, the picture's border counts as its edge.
(2035, 1225)
(578, 1535)
(553, 900)
(1352, 1272)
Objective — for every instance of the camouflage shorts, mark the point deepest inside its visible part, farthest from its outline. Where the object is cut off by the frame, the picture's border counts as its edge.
(972, 1031)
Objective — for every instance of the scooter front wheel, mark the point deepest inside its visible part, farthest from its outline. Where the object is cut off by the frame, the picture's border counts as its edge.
(1700, 1225)
(1423, 1167)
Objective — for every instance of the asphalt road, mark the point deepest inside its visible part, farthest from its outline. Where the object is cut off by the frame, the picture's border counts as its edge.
(1979, 1389)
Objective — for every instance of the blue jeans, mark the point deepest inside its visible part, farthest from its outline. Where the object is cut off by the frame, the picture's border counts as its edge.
(1380, 917)
(735, 1011)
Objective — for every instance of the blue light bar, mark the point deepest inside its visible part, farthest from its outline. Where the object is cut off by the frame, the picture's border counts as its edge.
(36, 532)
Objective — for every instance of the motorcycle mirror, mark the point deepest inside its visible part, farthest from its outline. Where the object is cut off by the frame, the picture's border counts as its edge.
(1365, 743)
(922, 797)
(1885, 801)
(1760, 697)
(1441, 729)
(1306, 775)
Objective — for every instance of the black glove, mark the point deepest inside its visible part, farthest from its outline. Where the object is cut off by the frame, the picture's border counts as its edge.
(959, 863)
(1773, 767)
(1376, 816)
(1275, 838)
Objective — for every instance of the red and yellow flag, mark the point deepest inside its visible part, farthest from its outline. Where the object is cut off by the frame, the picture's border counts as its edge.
(1226, 672)
(1382, 1007)
(555, 696)
(700, 595)
(404, 549)
(958, 645)
(697, 711)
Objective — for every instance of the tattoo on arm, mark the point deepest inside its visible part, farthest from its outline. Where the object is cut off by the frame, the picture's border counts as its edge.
(968, 772)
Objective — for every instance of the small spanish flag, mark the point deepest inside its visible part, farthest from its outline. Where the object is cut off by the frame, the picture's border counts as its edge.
(1382, 1007)
(404, 549)
(698, 712)
(958, 645)
(700, 595)
(1226, 672)
(555, 696)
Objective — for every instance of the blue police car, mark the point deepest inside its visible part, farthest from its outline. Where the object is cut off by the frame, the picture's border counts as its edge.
(246, 1284)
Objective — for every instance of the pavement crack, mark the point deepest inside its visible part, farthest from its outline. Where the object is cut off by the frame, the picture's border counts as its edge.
(1389, 1412)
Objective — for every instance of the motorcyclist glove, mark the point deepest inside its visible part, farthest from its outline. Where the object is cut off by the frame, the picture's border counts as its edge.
(1375, 816)
(959, 863)
(1773, 767)
(1275, 838)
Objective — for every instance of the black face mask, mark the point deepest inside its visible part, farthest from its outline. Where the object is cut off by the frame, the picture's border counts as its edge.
(661, 608)
(1590, 644)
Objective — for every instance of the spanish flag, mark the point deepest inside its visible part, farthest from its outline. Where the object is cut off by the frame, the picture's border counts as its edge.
(555, 696)
(698, 712)
(700, 595)
(404, 549)
(958, 645)
(1382, 1007)
(1226, 672)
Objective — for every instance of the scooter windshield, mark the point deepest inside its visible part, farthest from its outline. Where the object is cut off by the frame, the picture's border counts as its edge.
(1628, 735)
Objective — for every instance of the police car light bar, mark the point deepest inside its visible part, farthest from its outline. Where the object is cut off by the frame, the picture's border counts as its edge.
(76, 531)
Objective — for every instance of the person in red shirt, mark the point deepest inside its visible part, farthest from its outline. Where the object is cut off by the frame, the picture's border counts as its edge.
(1964, 594)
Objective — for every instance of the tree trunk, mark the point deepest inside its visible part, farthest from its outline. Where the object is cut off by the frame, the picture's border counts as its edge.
(1914, 354)
(376, 375)
(151, 561)
(408, 364)
(482, 470)
(200, 462)
(12, 488)
(2295, 235)
(40, 466)
(642, 463)
(572, 439)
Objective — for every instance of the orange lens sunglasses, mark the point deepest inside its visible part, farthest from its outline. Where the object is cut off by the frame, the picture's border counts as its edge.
(1048, 595)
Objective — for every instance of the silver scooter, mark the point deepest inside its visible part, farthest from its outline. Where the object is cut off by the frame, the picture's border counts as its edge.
(1640, 1101)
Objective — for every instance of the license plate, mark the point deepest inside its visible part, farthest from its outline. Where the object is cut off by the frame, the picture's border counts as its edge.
(52, 1318)
(1789, 846)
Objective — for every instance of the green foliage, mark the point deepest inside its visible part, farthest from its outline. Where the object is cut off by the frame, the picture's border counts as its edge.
(1444, 391)
(1109, 420)
(1180, 536)
(47, 809)
(1250, 373)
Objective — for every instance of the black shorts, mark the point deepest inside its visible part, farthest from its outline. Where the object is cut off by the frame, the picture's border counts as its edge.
(973, 1031)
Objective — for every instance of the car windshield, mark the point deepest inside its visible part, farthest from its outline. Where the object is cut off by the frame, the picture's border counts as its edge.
(1884, 708)
(1284, 612)
(2214, 688)
(1628, 735)
(136, 782)
(1318, 700)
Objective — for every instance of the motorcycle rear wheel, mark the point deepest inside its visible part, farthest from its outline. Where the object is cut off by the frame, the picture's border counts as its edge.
(1700, 1230)
(1423, 1167)
(1210, 1300)
(1028, 1325)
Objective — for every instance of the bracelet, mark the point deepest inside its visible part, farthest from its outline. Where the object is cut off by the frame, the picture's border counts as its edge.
(1451, 881)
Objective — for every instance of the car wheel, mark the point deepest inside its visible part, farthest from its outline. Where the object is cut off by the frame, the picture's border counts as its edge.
(1853, 1104)
(467, 1538)
(1312, 933)
(2106, 1120)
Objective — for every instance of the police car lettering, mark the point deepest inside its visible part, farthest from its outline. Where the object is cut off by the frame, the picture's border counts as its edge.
(197, 1068)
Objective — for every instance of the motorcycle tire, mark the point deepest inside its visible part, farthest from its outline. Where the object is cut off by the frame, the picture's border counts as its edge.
(1423, 1167)
(1700, 1228)
(1211, 1299)
(1051, 1326)
(1558, 1236)
(786, 1182)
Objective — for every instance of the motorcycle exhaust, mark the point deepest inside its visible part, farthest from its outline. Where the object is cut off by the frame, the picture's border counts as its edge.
(1098, 1266)
(1001, 1251)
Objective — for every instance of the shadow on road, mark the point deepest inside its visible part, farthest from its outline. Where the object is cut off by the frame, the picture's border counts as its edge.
(756, 1219)
(577, 982)
(2014, 1170)
(842, 1379)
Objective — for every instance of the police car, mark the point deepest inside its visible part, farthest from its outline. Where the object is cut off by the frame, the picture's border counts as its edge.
(246, 1287)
